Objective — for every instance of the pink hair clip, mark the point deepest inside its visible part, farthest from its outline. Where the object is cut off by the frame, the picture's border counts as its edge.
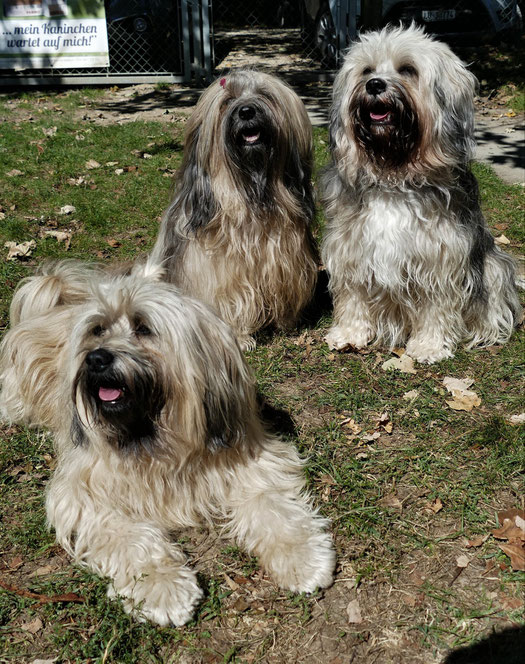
(222, 82)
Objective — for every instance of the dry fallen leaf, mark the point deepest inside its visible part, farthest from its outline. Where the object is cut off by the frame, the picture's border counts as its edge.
(512, 528)
(477, 541)
(22, 250)
(369, 437)
(509, 531)
(349, 423)
(510, 603)
(502, 239)
(435, 507)
(231, 583)
(510, 514)
(410, 396)
(32, 627)
(61, 236)
(405, 364)
(462, 561)
(67, 209)
(463, 398)
(517, 419)
(353, 611)
(391, 500)
(91, 164)
(516, 553)
(241, 605)
(76, 182)
(14, 173)
(384, 422)
(43, 571)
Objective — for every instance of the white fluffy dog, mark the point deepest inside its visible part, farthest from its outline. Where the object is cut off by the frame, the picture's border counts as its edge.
(156, 428)
(409, 255)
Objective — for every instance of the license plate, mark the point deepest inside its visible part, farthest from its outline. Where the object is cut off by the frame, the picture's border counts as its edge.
(438, 15)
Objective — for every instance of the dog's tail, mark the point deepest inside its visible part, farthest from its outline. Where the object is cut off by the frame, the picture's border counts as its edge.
(57, 283)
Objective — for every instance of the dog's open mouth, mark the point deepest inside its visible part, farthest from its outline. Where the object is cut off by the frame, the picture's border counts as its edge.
(380, 114)
(110, 394)
(251, 138)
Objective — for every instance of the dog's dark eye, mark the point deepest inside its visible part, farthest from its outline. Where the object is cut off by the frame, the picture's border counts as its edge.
(407, 70)
(142, 330)
(97, 331)
(367, 70)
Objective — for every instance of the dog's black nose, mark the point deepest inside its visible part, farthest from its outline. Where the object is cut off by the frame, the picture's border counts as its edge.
(375, 86)
(246, 112)
(99, 360)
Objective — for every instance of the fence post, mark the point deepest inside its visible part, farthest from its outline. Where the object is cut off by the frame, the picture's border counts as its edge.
(344, 13)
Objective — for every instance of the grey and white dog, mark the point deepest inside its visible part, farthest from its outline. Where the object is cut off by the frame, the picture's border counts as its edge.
(409, 255)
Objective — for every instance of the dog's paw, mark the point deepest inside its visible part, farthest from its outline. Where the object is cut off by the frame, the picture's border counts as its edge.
(304, 567)
(426, 352)
(246, 342)
(162, 597)
(342, 338)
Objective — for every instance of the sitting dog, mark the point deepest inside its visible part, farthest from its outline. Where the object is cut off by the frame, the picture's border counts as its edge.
(409, 255)
(156, 427)
(236, 234)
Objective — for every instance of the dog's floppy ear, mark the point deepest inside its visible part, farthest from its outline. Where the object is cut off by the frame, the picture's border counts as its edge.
(227, 398)
(58, 283)
(298, 180)
(224, 383)
(31, 369)
(454, 89)
(194, 201)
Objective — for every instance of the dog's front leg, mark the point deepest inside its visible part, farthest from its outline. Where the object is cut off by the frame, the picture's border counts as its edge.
(146, 570)
(436, 330)
(352, 325)
(273, 520)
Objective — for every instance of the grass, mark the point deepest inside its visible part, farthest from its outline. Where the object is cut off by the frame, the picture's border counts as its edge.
(472, 462)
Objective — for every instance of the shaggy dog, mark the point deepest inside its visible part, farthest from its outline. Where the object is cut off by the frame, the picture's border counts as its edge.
(409, 255)
(236, 234)
(156, 427)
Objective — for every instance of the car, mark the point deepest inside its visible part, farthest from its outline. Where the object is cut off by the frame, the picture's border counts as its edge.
(458, 21)
(462, 22)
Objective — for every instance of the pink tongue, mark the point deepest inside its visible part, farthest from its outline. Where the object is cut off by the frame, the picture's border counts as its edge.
(252, 138)
(379, 116)
(109, 393)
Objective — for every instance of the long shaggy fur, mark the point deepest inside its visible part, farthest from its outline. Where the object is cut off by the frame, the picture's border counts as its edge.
(236, 234)
(409, 255)
(155, 423)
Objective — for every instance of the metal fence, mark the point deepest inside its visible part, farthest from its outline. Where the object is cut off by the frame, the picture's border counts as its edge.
(160, 41)
(185, 40)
